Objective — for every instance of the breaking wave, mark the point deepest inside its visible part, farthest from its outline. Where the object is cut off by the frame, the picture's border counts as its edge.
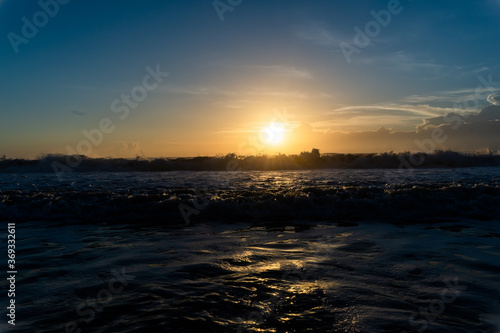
(260, 197)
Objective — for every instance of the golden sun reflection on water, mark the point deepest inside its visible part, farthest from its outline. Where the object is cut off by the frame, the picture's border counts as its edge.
(283, 281)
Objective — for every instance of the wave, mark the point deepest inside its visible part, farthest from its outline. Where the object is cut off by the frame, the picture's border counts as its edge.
(179, 206)
(232, 162)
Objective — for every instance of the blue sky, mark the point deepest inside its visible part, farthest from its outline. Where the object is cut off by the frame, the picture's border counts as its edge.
(227, 79)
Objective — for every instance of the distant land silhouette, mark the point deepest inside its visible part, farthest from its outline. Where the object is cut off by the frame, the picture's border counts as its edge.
(233, 162)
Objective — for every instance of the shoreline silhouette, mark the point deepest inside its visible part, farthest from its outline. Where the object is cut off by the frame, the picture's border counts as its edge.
(232, 162)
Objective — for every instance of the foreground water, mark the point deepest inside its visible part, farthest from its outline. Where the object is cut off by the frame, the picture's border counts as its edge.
(292, 251)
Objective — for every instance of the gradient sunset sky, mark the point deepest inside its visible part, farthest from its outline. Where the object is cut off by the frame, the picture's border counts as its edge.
(238, 71)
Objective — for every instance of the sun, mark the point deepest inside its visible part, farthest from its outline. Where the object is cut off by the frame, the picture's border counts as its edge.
(273, 134)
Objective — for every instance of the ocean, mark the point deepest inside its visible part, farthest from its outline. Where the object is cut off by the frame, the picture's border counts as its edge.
(358, 250)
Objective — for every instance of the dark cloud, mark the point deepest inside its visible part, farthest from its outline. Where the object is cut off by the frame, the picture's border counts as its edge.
(488, 114)
(466, 133)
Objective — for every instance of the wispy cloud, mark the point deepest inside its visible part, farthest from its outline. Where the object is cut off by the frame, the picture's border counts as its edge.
(198, 91)
(251, 92)
(494, 99)
(371, 117)
(322, 34)
(402, 110)
(282, 71)
(268, 70)
(479, 94)
(318, 33)
(403, 61)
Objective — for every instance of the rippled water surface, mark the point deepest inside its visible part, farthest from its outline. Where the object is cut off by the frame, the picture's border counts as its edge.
(365, 278)
(360, 251)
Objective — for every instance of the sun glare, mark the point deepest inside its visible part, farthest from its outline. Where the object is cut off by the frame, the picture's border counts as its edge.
(273, 134)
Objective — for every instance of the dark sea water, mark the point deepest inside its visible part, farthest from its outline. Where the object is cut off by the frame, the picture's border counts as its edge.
(291, 251)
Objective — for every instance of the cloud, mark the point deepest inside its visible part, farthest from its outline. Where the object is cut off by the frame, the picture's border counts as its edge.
(397, 109)
(383, 130)
(488, 114)
(319, 34)
(450, 96)
(369, 117)
(198, 91)
(282, 71)
(494, 99)
(462, 132)
(404, 62)
(237, 93)
(270, 71)
(322, 34)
